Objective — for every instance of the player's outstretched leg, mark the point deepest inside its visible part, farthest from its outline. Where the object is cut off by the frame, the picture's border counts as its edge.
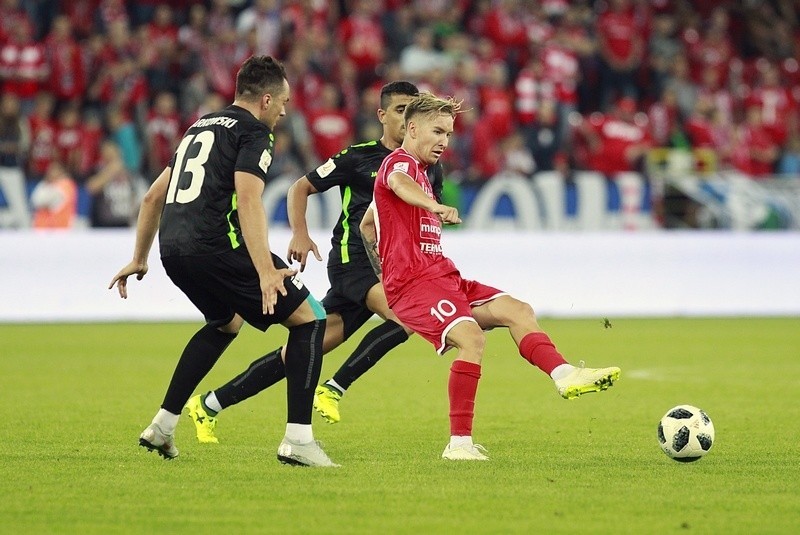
(570, 381)
(260, 375)
(581, 380)
(375, 344)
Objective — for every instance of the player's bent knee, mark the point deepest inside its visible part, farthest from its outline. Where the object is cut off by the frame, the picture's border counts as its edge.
(469, 339)
(232, 327)
(517, 311)
(308, 311)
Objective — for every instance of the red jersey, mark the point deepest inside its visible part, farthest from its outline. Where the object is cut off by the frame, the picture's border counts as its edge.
(163, 135)
(409, 238)
(330, 131)
(619, 32)
(777, 108)
(617, 137)
(362, 38)
(562, 69)
(67, 75)
(68, 146)
(23, 66)
(42, 149)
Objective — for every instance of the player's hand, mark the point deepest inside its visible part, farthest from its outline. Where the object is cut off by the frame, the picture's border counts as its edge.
(447, 214)
(271, 286)
(121, 278)
(299, 247)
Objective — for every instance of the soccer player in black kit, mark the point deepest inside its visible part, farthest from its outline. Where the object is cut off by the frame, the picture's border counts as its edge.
(207, 208)
(355, 293)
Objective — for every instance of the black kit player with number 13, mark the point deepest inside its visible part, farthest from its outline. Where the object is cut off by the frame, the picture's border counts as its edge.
(207, 208)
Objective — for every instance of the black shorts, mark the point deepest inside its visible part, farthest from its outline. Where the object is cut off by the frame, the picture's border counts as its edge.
(348, 294)
(224, 284)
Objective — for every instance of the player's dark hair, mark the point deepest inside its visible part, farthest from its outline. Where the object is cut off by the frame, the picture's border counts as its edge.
(259, 75)
(400, 87)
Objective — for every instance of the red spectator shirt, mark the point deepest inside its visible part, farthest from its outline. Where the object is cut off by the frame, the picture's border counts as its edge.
(716, 55)
(616, 138)
(619, 31)
(497, 109)
(487, 157)
(67, 74)
(163, 134)
(128, 90)
(409, 238)
(42, 149)
(505, 30)
(662, 120)
(700, 132)
(363, 41)
(750, 139)
(331, 130)
(21, 67)
(777, 110)
(68, 146)
(89, 158)
(561, 69)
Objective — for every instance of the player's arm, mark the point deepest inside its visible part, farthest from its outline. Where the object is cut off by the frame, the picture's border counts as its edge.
(297, 204)
(411, 193)
(146, 228)
(253, 220)
(370, 238)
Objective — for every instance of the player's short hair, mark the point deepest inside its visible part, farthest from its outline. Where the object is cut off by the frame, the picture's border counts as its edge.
(400, 87)
(259, 75)
(429, 104)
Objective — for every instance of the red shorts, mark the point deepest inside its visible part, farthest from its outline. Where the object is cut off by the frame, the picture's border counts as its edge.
(432, 307)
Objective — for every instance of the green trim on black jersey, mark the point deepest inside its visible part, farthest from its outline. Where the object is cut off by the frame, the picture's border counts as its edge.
(231, 229)
(366, 144)
(346, 224)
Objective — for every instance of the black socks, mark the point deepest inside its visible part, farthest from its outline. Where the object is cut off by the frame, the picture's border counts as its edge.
(197, 359)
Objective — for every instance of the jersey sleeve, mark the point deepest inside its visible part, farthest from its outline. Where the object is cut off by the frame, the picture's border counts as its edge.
(255, 153)
(398, 162)
(336, 171)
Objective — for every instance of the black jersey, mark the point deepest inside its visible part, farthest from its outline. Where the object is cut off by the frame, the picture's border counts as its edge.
(200, 215)
(354, 171)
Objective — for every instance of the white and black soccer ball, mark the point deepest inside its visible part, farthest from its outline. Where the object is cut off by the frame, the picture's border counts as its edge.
(685, 433)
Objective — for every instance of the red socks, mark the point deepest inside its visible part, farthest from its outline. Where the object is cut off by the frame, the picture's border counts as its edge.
(538, 349)
(462, 387)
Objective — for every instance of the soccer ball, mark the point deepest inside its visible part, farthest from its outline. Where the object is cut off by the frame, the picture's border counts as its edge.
(685, 433)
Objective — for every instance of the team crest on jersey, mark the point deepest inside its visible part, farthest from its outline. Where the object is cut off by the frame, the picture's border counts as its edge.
(265, 160)
(401, 166)
(326, 168)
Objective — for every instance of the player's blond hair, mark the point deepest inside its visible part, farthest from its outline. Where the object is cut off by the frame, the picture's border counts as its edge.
(429, 104)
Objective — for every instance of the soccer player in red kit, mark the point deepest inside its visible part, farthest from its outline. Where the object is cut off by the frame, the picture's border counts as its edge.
(402, 233)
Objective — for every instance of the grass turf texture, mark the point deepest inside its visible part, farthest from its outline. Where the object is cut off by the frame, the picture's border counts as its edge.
(76, 397)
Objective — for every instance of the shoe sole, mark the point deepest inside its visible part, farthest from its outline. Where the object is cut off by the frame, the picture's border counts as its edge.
(158, 449)
(604, 383)
(328, 417)
(291, 461)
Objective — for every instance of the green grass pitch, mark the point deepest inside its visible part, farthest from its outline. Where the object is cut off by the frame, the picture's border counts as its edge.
(75, 398)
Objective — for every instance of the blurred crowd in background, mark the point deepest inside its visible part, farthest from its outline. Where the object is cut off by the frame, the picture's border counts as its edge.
(96, 94)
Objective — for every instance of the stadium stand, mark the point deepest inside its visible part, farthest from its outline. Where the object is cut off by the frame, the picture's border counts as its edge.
(700, 99)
